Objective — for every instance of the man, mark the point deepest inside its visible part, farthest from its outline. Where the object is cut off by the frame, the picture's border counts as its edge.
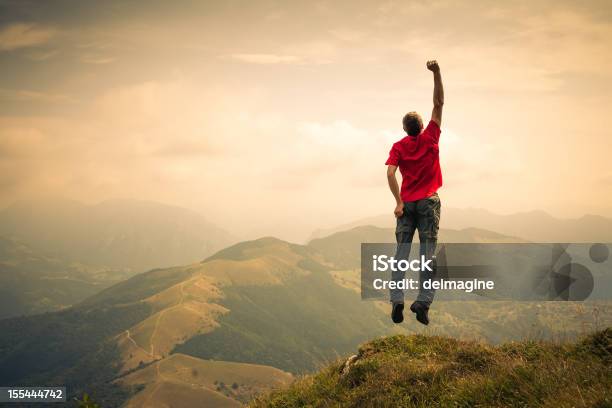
(417, 203)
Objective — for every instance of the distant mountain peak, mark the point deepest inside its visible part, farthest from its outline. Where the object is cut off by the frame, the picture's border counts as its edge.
(118, 233)
(244, 250)
(535, 225)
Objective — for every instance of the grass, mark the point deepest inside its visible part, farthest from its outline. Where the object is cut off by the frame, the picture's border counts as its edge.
(431, 371)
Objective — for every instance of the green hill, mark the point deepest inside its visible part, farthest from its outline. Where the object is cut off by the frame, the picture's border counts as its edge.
(34, 281)
(265, 302)
(429, 371)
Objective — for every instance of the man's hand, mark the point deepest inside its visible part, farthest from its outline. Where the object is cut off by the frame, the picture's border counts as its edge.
(399, 210)
(433, 66)
(394, 187)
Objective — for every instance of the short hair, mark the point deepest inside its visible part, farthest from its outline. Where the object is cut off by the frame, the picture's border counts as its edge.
(413, 124)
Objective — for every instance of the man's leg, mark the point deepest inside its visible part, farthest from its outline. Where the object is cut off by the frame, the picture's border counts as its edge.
(404, 232)
(428, 221)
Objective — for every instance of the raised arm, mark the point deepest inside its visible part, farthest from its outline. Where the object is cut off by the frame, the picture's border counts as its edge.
(438, 92)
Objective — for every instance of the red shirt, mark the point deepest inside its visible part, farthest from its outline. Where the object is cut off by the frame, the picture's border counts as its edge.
(418, 158)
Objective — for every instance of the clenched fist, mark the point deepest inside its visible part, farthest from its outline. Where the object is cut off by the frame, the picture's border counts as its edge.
(399, 210)
(433, 66)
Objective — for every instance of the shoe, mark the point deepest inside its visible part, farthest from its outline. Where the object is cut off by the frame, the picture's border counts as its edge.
(397, 312)
(421, 309)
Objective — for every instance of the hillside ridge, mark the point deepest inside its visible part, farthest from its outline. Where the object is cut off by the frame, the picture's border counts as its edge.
(432, 371)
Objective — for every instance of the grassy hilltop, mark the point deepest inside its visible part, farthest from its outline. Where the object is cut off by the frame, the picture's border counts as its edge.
(431, 371)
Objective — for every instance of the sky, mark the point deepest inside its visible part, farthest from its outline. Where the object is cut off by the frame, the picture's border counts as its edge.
(276, 117)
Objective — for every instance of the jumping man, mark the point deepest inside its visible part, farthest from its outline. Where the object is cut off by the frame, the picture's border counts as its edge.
(417, 203)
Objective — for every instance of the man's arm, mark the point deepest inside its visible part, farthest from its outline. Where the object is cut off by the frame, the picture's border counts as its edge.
(438, 93)
(395, 190)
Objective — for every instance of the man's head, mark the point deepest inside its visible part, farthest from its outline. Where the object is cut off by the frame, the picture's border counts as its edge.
(412, 123)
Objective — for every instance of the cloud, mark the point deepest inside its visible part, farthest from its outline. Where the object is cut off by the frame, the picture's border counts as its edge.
(347, 34)
(330, 153)
(18, 142)
(42, 55)
(468, 160)
(606, 181)
(265, 58)
(303, 53)
(309, 136)
(97, 59)
(25, 95)
(22, 35)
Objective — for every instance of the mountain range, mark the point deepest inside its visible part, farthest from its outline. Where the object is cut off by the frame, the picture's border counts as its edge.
(534, 226)
(247, 318)
(240, 322)
(120, 234)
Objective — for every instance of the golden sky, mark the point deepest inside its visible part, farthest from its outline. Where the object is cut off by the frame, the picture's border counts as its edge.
(276, 117)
